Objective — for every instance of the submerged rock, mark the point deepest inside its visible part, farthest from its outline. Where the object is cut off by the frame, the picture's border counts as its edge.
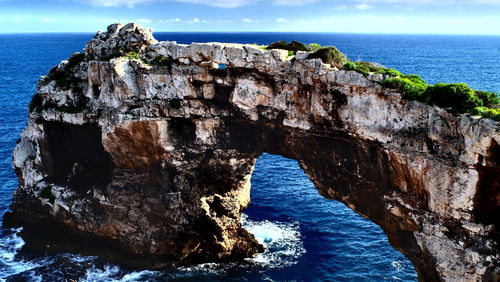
(151, 145)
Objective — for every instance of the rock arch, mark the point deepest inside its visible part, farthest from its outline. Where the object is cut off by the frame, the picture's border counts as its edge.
(182, 137)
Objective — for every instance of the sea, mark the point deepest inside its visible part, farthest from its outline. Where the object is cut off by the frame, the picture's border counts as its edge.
(307, 237)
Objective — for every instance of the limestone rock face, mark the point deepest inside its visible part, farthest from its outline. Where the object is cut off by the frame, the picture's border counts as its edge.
(156, 153)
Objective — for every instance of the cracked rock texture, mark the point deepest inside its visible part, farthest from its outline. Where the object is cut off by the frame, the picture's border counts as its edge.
(156, 154)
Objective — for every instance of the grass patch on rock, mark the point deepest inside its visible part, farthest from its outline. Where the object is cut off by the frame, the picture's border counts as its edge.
(330, 55)
(366, 68)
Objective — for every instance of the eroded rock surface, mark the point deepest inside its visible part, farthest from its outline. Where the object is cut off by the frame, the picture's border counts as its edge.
(157, 153)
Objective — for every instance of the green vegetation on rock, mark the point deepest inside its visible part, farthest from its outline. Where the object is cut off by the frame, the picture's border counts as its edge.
(162, 61)
(412, 86)
(76, 59)
(293, 46)
(330, 55)
(458, 96)
(487, 112)
(133, 56)
(366, 67)
(313, 47)
(490, 99)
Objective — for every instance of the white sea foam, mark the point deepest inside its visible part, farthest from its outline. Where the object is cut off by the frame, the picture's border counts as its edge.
(115, 274)
(79, 259)
(397, 265)
(105, 274)
(282, 240)
(10, 243)
(283, 243)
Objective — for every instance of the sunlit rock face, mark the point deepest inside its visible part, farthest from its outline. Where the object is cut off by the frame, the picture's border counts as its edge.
(154, 151)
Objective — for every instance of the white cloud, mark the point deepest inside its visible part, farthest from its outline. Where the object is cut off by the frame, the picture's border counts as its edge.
(197, 21)
(174, 20)
(282, 20)
(215, 3)
(363, 6)
(221, 3)
(246, 20)
(113, 3)
(293, 2)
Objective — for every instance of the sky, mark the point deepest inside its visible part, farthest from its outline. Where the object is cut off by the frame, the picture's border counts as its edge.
(351, 16)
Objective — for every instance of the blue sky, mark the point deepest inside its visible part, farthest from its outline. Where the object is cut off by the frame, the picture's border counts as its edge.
(362, 16)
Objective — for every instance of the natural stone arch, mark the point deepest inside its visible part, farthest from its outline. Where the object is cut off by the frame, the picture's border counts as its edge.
(354, 172)
(180, 138)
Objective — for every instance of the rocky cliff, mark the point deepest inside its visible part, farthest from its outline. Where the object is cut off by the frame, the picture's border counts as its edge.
(151, 145)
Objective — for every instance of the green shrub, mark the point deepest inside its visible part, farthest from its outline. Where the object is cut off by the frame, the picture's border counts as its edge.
(278, 45)
(75, 59)
(488, 113)
(366, 67)
(490, 99)
(494, 114)
(390, 72)
(46, 193)
(350, 66)
(133, 56)
(313, 47)
(458, 96)
(415, 78)
(35, 104)
(330, 55)
(297, 46)
(116, 52)
(176, 103)
(412, 89)
(292, 47)
(363, 68)
(163, 61)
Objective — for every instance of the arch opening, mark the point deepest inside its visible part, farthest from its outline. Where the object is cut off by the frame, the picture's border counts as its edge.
(310, 237)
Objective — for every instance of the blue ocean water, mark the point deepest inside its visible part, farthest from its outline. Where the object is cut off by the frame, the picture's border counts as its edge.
(308, 238)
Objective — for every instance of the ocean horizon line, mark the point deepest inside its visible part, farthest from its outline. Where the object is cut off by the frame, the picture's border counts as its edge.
(263, 32)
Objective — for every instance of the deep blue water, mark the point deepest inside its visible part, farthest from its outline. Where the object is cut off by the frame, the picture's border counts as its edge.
(308, 237)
